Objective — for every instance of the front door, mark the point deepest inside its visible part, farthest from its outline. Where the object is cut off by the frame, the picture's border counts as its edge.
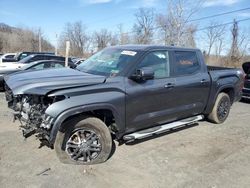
(151, 102)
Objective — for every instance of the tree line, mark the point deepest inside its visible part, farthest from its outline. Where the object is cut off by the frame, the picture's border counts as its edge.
(222, 43)
(13, 39)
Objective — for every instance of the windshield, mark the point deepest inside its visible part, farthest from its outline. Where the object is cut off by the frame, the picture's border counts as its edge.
(108, 62)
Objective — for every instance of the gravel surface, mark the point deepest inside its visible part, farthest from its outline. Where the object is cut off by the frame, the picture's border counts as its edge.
(205, 155)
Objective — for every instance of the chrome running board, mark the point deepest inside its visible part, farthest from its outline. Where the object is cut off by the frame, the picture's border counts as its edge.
(161, 128)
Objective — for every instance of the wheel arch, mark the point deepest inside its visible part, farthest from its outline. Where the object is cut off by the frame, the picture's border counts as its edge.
(83, 110)
(228, 89)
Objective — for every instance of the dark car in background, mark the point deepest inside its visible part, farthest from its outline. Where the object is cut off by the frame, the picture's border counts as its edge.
(38, 57)
(246, 88)
(36, 65)
(22, 55)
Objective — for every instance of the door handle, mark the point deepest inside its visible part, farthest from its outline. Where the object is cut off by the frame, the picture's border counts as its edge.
(203, 81)
(169, 85)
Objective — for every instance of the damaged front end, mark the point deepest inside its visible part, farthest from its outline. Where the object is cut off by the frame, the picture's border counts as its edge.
(29, 110)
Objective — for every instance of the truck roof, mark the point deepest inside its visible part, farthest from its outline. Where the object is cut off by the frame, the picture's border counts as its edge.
(143, 47)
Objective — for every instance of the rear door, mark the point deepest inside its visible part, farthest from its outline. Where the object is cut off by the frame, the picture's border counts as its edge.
(192, 83)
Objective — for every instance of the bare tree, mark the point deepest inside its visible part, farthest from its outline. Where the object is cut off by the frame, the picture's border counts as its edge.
(239, 46)
(234, 51)
(189, 39)
(175, 27)
(144, 26)
(79, 40)
(15, 39)
(213, 35)
(102, 38)
(1, 42)
(123, 36)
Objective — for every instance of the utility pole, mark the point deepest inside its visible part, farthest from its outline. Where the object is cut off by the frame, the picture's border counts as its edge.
(67, 53)
(235, 33)
(56, 47)
(39, 40)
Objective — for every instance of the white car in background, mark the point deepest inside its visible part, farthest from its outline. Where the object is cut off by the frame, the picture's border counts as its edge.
(11, 65)
(7, 56)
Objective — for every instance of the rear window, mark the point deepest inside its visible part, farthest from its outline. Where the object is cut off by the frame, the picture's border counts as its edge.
(23, 55)
(37, 58)
(56, 58)
(9, 56)
(186, 63)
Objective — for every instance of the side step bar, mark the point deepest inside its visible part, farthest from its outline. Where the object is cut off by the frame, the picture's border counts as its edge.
(161, 128)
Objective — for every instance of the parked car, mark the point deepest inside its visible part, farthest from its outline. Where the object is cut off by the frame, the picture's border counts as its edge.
(37, 57)
(246, 89)
(36, 65)
(123, 93)
(19, 56)
(6, 57)
(32, 58)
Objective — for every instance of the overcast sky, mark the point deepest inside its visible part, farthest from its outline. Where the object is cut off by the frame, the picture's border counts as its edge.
(51, 15)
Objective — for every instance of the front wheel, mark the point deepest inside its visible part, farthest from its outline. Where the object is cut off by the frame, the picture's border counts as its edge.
(83, 140)
(221, 109)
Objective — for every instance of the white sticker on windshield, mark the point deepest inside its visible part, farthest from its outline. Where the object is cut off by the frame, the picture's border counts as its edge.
(126, 52)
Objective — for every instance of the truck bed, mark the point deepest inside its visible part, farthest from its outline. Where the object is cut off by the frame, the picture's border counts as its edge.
(214, 68)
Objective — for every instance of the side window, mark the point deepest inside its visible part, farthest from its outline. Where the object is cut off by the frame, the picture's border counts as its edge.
(186, 63)
(37, 58)
(9, 56)
(37, 67)
(57, 65)
(23, 55)
(159, 61)
(62, 59)
(56, 58)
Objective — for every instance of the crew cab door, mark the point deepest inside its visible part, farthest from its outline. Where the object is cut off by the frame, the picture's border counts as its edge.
(179, 89)
(192, 83)
(150, 102)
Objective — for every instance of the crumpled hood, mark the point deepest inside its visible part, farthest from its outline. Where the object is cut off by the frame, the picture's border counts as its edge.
(43, 81)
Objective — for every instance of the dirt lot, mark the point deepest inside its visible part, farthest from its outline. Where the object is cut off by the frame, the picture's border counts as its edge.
(206, 155)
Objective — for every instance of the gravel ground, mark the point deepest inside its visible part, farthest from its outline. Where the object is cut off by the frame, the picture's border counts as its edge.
(205, 155)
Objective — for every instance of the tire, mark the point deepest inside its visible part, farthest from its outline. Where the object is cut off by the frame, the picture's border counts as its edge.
(83, 141)
(221, 109)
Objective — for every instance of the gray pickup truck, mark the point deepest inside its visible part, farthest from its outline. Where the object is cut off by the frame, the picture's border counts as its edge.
(121, 93)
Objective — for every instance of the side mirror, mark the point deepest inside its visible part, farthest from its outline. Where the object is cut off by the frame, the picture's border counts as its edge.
(143, 74)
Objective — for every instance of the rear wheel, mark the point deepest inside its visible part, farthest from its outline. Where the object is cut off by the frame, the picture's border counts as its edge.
(221, 109)
(84, 140)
